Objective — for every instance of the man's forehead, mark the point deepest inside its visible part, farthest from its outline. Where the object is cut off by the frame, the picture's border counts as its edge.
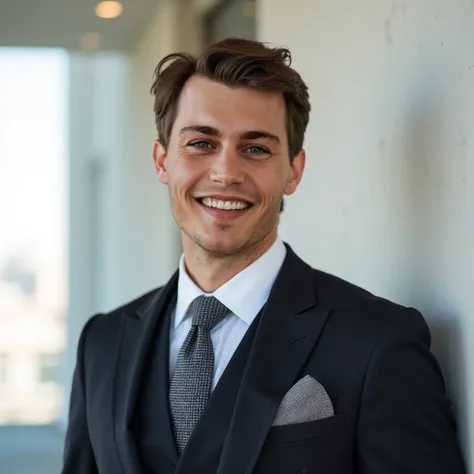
(204, 92)
(209, 103)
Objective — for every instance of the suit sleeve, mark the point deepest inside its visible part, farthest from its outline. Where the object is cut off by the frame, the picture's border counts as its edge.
(406, 425)
(78, 455)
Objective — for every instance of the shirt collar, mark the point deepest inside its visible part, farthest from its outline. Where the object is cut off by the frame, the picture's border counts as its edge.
(244, 294)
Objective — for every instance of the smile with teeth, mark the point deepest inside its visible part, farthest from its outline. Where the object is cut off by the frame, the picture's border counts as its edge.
(226, 205)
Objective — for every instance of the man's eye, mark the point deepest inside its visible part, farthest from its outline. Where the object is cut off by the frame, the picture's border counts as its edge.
(256, 149)
(201, 144)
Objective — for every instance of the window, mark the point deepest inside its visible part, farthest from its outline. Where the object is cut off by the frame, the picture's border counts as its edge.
(48, 368)
(33, 251)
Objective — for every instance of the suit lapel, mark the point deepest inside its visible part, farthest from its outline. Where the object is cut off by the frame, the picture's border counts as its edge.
(138, 331)
(290, 326)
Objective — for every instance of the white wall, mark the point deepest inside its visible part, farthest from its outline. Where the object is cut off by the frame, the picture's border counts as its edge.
(98, 148)
(387, 200)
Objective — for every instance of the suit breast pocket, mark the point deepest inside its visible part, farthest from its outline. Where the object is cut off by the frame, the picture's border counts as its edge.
(307, 431)
(323, 446)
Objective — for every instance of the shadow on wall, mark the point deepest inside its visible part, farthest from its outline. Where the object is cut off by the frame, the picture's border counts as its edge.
(436, 268)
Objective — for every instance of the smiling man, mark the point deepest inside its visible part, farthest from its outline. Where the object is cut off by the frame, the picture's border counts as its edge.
(248, 360)
(227, 164)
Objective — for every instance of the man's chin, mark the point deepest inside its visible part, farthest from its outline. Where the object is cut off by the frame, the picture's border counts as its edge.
(221, 248)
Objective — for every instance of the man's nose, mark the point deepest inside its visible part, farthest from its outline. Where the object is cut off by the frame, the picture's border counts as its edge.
(227, 168)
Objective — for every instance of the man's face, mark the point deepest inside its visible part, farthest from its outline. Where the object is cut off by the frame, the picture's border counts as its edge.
(227, 166)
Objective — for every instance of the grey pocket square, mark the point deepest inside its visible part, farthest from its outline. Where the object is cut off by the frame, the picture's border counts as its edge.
(306, 401)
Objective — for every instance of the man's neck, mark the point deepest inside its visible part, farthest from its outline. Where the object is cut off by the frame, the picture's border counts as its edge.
(210, 272)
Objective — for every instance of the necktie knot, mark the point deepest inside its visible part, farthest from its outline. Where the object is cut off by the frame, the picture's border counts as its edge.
(207, 311)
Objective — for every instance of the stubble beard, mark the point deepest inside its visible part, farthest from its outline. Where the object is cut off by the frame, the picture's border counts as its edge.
(242, 249)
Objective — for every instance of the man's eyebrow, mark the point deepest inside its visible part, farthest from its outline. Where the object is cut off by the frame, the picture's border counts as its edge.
(204, 129)
(249, 135)
(256, 134)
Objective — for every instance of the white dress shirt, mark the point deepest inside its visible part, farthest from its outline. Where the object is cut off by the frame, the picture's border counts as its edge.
(245, 295)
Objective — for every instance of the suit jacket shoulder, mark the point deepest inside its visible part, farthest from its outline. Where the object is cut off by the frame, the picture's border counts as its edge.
(367, 316)
(101, 332)
(338, 293)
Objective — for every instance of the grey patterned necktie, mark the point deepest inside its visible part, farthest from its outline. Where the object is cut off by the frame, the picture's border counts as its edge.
(191, 383)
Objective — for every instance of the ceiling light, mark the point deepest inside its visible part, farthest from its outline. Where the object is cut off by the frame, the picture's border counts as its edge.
(108, 9)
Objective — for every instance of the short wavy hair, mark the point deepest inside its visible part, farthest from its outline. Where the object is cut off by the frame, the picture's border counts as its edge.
(234, 62)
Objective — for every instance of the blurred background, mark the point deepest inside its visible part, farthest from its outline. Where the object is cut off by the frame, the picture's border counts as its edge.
(387, 201)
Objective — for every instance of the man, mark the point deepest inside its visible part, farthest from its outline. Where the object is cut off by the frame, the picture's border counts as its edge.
(248, 360)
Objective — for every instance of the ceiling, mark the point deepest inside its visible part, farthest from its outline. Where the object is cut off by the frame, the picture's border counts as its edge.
(63, 23)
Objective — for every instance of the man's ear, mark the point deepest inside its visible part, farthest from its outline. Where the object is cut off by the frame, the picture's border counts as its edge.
(296, 172)
(159, 158)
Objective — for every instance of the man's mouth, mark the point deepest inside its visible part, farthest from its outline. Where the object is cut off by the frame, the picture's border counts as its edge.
(226, 205)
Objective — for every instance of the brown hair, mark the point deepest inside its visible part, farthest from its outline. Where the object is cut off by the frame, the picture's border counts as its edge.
(234, 62)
